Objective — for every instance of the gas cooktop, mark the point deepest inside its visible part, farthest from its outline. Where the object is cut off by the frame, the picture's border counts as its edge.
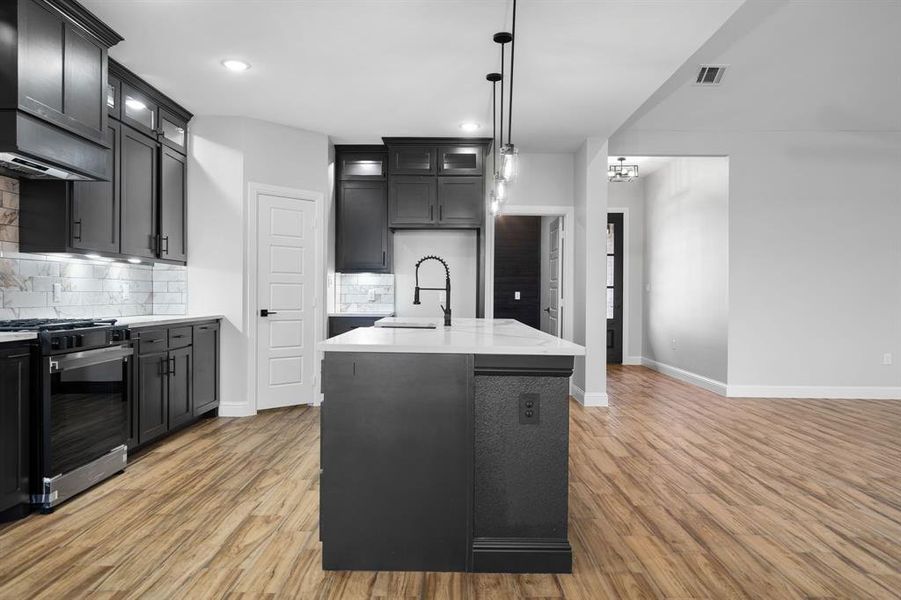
(53, 324)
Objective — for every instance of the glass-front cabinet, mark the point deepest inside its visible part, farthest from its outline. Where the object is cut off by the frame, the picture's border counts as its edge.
(173, 131)
(138, 110)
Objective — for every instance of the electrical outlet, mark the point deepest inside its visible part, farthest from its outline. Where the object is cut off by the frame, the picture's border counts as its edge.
(126, 292)
(673, 343)
(529, 409)
(57, 292)
(887, 358)
(517, 296)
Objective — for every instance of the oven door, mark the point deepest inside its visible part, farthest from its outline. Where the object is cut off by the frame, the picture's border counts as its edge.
(87, 406)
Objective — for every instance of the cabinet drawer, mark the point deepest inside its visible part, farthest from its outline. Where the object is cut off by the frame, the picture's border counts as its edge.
(151, 340)
(179, 337)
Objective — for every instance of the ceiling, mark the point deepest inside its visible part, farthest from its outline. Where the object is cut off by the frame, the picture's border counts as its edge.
(360, 69)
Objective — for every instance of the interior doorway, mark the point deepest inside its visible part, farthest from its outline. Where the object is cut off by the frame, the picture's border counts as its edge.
(615, 287)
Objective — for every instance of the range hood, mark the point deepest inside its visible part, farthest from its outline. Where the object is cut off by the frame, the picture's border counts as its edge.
(53, 87)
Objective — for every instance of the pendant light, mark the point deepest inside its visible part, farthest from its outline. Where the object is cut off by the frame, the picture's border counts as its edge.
(493, 195)
(622, 173)
(509, 152)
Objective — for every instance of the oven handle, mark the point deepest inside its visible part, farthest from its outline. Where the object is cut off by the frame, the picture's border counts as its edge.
(88, 358)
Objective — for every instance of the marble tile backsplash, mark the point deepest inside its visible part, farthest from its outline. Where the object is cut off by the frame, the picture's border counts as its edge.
(364, 293)
(47, 286)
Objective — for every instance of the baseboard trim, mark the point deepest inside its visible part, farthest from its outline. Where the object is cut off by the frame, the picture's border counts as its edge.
(516, 555)
(236, 410)
(718, 387)
(815, 392)
(589, 398)
(631, 360)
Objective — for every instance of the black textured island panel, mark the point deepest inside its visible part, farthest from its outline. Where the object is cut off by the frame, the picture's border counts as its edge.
(520, 493)
(396, 461)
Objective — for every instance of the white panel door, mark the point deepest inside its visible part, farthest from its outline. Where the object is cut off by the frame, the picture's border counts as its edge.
(285, 288)
(553, 302)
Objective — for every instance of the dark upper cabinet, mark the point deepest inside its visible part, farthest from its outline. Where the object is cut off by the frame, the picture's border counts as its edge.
(412, 160)
(361, 166)
(153, 404)
(139, 182)
(62, 66)
(95, 206)
(206, 368)
(460, 160)
(15, 425)
(173, 131)
(361, 218)
(180, 382)
(114, 97)
(139, 110)
(173, 205)
(461, 201)
(412, 201)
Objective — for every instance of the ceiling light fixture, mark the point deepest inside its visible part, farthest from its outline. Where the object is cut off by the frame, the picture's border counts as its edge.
(622, 173)
(509, 152)
(493, 194)
(470, 126)
(235, 65)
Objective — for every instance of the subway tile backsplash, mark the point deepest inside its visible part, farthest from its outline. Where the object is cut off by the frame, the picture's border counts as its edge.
(364, 293)
(86, 288)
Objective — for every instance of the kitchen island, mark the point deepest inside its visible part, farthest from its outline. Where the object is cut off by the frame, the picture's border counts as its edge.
(446, 449)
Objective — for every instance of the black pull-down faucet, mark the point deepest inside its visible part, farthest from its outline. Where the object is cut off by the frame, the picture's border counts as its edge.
(446, 288)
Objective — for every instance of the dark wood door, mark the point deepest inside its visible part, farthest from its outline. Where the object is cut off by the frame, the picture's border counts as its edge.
(181, 400)
(362, 227)
(95, 205)
(139, 180)
(460, 160)
(173, 205)
(461, 201)
(206, 368)
(153, 405)
(614, 288)
(411, 201)
(15, 427)
(412, 160)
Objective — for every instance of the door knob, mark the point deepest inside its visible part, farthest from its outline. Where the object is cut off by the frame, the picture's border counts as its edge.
(264, 312)
(548, 310)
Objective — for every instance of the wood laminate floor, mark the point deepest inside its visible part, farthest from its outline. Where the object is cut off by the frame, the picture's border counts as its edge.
(675, 493)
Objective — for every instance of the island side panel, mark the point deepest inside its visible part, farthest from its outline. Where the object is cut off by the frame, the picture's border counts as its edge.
(521, 464)
(396, 461)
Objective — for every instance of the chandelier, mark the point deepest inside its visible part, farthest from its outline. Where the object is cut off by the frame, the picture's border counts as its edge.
(622, 173)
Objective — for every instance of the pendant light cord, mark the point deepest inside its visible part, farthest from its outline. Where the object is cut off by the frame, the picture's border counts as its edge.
(510, 107)
(494, 126)
(502, 93)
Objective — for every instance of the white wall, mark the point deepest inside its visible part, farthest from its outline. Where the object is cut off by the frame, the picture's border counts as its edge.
(686, 266)
(226, 153)
(458, 248)
(628, 198)
(814, 188)
(543, 180)
(590, 285)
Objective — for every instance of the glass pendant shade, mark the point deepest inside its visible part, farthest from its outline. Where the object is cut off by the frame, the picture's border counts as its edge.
(509, 162)
(500, 189)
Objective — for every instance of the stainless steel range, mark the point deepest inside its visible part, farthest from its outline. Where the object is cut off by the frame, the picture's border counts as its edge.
(83, 404)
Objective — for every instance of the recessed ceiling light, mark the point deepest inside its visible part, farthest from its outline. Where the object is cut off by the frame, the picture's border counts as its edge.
(470, 126)
(134, 104)
(235, 65)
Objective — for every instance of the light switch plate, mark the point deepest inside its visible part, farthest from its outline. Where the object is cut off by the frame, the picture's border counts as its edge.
(517, 296)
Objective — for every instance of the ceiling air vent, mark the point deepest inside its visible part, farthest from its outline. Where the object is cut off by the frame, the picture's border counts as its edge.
(710, 74)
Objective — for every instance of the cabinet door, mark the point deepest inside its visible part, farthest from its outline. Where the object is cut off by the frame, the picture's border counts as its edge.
(95, 206)
(362, 227)
(139, 111)
(138, 180)
(114, 97)
(173, 207)
(460, 160)
(181, 400)
(153, 406)
(206, 368)
(361, 165)
(14, 428)
(412, 160)
(173, 131)
(62, 71)
(461, 201)
(411, 201)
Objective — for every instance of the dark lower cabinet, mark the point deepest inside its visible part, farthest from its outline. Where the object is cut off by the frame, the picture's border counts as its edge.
(362, 227)
(206, 368)
(153, 402)
(339, 324)
(15, 406)
(173, 205)
(139, 193)
(180, 382)
(461, 201)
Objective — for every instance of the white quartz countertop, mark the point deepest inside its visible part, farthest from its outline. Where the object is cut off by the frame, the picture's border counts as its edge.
(151, 320)
(464, 336)
(17, 336)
